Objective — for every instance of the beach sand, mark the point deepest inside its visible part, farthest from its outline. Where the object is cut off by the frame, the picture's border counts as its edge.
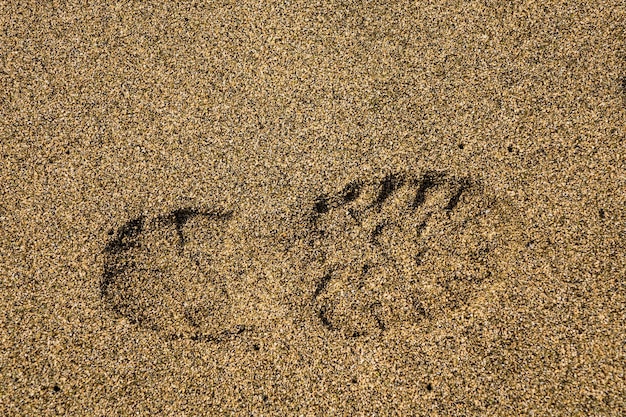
(300, 208)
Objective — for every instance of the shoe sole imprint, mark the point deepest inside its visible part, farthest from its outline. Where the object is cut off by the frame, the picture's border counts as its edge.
(402, 249)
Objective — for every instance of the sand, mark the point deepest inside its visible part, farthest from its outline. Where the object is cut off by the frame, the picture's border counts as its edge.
(300, 208)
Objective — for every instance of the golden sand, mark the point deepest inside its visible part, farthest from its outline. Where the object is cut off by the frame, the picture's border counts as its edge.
(300, 208)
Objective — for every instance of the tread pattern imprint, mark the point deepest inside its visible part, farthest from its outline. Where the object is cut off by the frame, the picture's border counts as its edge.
(399, 250)
(403, 250)
(186, 274)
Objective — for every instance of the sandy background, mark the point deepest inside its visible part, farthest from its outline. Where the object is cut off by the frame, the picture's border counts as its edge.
(110, 111)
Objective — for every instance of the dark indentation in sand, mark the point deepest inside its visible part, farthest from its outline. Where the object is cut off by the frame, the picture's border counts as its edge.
(124, 240)
(354, 215)
(126, 235)
(321, 205)
(126, 280)
(376, 309)
(387, 187)
(378, 230)
(181, 216)
(323, 315)
(321, 286)
(454, 200)
(351, 191)
(412, 253)
(428, 181)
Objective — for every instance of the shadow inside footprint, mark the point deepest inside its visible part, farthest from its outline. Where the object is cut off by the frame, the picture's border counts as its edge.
(401, 250)
(174, 274)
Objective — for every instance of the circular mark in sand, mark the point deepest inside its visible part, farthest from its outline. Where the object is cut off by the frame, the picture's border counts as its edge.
(404, 248)
(174, 274)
